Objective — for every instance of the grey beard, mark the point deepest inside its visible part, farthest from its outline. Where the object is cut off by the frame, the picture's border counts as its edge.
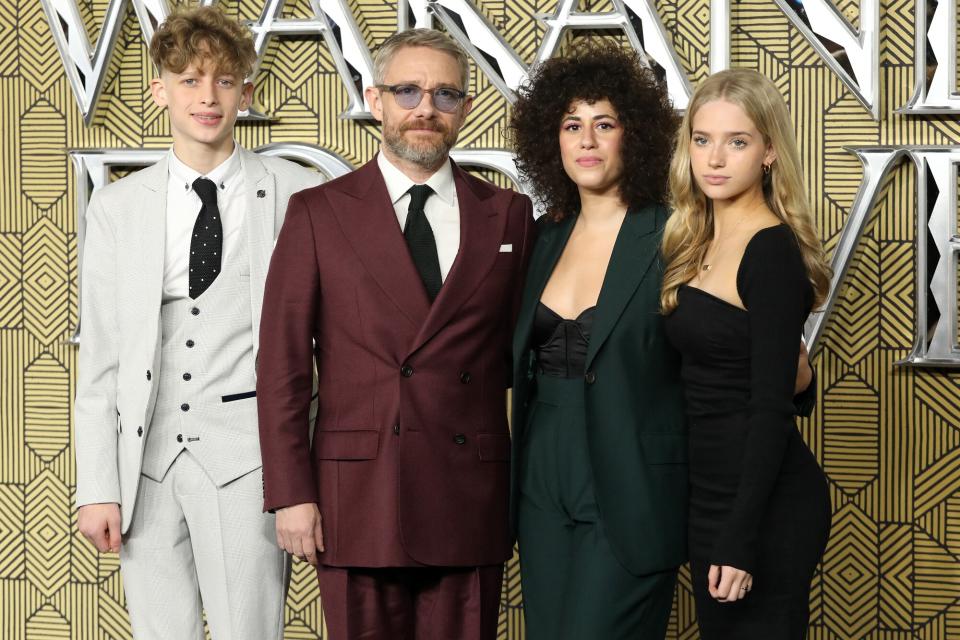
(427, 157)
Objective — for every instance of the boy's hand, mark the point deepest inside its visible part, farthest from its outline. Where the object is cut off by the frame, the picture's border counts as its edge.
(100, 524)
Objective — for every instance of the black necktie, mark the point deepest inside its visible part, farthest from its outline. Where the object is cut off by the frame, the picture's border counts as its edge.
(420, 240)
(206, 245)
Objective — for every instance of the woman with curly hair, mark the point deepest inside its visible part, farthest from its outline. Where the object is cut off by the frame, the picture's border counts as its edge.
(599, 477)
(744, 268)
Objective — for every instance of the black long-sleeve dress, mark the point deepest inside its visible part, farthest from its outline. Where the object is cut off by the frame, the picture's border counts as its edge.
(758, 500)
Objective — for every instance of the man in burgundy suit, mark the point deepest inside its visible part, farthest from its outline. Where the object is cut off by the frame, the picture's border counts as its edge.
(401, 281)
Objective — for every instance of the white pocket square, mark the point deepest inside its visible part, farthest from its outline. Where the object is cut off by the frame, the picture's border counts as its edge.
(506, 248)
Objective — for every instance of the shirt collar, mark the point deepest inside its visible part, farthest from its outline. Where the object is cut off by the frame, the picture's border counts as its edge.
(398, 183)
(225, 175)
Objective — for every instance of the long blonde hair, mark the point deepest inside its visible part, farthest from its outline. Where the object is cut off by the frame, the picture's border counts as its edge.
(690, 228)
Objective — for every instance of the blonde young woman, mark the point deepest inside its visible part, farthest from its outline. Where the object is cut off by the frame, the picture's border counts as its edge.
(744, 268)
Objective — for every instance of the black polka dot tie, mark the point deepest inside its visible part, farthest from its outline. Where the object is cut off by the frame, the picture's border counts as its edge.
(206, 245)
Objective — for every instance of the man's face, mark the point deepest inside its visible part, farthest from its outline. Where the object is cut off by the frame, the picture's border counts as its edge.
(202, 104)
(422, 135)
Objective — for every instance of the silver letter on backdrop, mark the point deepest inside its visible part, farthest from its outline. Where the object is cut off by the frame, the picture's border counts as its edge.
(497, 160)
(93, 172)
(877, 162)
(413, 14)
(935, 339)
(500, 62)
(333, 20)
(625, 15)
(482, 42)
(936, 88)
(719, 35)
(935, 342)
(85, 66)
(853, 56)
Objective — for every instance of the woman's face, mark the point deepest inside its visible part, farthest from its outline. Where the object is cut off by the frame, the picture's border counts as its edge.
(590, 138)
(727, 152)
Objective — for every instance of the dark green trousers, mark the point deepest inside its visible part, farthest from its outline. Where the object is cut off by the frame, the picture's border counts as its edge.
(574, 588)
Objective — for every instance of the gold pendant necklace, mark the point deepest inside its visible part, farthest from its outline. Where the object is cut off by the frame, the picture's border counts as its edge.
(705, 265)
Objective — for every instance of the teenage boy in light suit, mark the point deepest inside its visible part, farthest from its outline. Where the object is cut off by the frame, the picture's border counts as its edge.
(175, 257)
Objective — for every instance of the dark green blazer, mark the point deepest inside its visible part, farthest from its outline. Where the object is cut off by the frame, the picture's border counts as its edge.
(636, 427)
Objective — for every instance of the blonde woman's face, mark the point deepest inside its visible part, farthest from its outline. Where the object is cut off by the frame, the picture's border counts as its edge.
(590, 139)
(727, 152)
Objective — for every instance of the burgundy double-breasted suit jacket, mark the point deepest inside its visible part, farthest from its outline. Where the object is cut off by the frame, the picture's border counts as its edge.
(409, 462)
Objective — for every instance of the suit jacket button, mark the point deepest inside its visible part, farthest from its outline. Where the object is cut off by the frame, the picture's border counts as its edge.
(465, 377)
(187, 377)
(184, 407)
(591, 377)
(460, 439)
(190, 343)
(195, 311)
(179, 437)
(140, 431)
(396, 429)
(406, 371)
(148, 375)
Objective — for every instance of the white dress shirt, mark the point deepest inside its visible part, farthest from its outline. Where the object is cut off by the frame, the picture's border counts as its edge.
(183, 207)
(442, 208)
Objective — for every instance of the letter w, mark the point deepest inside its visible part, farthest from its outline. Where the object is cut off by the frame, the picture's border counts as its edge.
(85, 65)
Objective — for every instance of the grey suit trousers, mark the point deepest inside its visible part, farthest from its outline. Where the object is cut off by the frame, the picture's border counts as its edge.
(194, 547)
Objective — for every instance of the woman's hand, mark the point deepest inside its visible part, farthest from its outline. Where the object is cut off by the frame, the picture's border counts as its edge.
(728, 584)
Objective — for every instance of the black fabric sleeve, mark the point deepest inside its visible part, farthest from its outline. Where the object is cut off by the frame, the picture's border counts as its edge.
(773, 285)
(805, 401)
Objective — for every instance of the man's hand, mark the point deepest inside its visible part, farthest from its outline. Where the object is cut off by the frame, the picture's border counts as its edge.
(804, 372)
(299, 531)
(100, 524)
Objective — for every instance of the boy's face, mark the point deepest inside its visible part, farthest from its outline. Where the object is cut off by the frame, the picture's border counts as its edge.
(202, 104)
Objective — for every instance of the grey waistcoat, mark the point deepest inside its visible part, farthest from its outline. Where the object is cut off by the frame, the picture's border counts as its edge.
(205, 398)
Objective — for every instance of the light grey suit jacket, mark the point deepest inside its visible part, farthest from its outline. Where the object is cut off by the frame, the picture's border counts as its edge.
(121, 287)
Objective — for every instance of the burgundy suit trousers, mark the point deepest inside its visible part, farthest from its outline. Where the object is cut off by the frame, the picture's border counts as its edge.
(411, 603)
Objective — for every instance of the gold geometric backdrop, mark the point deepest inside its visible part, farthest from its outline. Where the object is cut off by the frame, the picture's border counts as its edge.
(887, 436)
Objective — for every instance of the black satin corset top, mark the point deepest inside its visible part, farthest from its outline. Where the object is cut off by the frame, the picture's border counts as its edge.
(561, 343)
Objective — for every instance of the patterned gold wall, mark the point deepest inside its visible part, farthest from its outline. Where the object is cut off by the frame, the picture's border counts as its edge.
(889, 438)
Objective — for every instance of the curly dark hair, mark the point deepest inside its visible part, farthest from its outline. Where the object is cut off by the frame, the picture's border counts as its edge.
(594, 71)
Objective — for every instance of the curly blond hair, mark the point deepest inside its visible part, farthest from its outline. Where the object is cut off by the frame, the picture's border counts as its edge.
(203, 35)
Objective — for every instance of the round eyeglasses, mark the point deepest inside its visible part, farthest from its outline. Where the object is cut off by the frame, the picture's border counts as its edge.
(408, 96)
